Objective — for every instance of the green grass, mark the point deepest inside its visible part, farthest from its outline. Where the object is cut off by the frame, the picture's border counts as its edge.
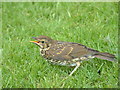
(92, 24)
(0, 46)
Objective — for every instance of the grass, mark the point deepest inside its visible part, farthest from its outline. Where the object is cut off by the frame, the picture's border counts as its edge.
(92, 24)
(0, 46)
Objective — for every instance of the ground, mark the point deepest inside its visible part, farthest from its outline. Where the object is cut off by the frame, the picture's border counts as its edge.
(92, 24)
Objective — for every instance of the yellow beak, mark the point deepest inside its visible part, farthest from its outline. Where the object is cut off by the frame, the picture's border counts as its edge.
(34, 41)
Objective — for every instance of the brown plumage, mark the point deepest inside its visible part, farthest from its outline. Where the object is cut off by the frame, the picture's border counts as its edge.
(67, 53)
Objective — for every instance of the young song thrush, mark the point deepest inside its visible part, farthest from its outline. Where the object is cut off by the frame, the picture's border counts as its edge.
(67, 53)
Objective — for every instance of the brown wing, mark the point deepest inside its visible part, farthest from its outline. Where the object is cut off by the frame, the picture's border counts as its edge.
(80, 50)
(67, 51)
(59, 52)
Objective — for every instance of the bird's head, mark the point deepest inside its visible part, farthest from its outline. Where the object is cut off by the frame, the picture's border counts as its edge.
(43, 41)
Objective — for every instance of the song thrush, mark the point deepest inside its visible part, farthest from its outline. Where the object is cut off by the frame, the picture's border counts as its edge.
(67, 53)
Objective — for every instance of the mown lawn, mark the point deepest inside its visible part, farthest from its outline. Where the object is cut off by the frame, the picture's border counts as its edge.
(92, 24)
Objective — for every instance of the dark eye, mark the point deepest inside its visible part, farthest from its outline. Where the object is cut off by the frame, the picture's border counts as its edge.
(42, 41)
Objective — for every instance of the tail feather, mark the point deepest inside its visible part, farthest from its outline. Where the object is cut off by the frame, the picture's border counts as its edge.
(106, 56)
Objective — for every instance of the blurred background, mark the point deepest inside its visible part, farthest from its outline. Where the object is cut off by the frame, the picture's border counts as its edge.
(92, 24)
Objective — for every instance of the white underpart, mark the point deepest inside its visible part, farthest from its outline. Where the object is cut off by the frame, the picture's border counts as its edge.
(76, 59)
(91, 56)
(83, 58)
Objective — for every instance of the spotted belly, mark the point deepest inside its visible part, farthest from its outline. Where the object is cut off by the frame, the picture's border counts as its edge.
(69, 62)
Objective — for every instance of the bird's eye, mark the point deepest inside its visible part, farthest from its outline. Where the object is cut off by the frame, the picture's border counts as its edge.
(42, 41)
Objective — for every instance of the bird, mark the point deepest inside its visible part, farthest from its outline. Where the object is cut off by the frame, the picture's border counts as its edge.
(67, 53)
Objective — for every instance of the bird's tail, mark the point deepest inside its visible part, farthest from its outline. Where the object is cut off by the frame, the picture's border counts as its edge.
(106, 56)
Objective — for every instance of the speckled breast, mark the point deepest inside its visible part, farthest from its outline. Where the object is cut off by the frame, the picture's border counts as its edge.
(56, 62)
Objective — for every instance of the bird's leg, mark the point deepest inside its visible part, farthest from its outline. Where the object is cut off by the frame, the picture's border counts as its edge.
(78, 64)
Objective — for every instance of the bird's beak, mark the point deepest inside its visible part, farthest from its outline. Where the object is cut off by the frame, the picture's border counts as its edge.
(34, 42)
